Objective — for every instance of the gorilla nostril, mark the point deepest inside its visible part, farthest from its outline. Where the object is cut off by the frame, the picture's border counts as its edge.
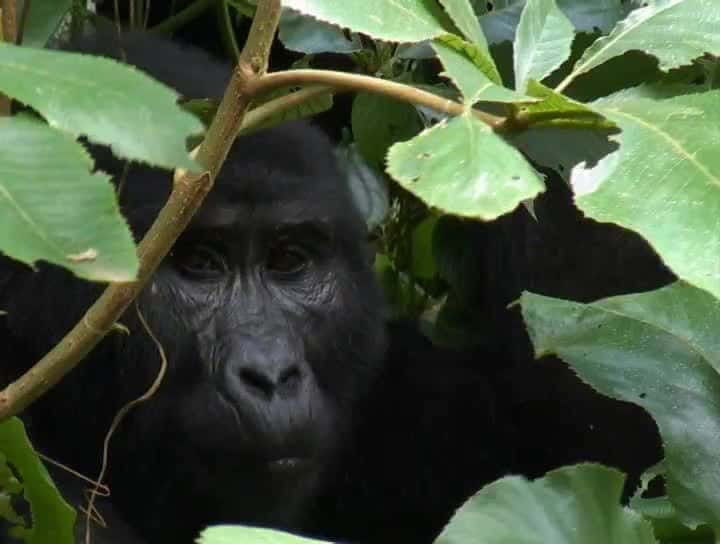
(258, 381)
(269, 381)
(289, 378)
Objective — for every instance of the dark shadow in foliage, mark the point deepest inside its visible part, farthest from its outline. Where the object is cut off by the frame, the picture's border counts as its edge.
(559, 420)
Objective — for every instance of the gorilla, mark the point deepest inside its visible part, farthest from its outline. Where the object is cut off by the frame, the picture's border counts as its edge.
(284, 403)
(270, 319)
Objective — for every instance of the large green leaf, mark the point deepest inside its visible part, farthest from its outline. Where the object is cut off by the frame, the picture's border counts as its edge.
(109, 102)
(571, 505)
(462, 167)
(659, 350)
(462, 14)
(391, 20)
(674, 31)
(378, 122)
(542, 43)
(472, 72)
(236, 534)
(43, 20)
(52, 208)
(664, 181)
(307, 35)
(52, 518)
(501, 23)
(554, 109)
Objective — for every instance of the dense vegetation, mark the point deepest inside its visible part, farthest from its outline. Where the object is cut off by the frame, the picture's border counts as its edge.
(464, 107)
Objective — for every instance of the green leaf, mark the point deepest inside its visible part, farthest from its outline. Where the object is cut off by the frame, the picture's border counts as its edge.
(390, 20)
(567, 506)
(664, 181)
(422, 259)
(472, 72)
(542, 43)
(368, 187)
(556, 109)
(378, 122)
(310, 36)
(659, 350)
(674, 31)
(463, 16)
(109, 102)
(43, 20)
(501, 23)
(236, 534)
(462, 167)
(53, 208)
(53, 519)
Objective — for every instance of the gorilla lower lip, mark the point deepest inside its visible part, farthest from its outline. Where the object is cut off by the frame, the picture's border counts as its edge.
(289, 464)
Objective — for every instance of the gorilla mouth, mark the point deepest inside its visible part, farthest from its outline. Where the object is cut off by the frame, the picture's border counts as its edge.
(290, 465)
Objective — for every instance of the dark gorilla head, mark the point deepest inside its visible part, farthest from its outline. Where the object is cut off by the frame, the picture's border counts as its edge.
(271, 322)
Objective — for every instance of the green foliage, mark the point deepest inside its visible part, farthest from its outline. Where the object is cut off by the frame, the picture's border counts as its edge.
(398, 21)
(472, 71)
(53, 208)
(102, 99)
(52, 518)
(462, 167)
(43, 21)
(660, 351)
(664, 180)
(235, 534)
(542, 41)
(567, 506)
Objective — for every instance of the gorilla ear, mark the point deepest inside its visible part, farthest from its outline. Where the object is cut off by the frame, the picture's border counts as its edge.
(368, 188)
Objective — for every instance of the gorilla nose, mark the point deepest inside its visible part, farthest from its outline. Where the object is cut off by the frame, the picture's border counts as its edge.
(269, 380)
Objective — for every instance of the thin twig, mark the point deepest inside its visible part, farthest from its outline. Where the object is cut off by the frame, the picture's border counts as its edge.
(121, 415)
(257, 116)
(369, 84)
(183, 17)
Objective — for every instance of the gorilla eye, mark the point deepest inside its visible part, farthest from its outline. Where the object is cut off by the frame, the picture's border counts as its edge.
(200, 262)
(286, 259)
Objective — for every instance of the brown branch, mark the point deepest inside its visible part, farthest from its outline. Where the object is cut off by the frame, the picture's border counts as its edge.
(187, 196)
(9, 34)
(360, 83)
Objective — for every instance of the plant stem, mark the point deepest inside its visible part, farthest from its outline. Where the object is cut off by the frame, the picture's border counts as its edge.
(187, 195)
(256, 116)
(183, 17)
(8, 33)
(355, 82)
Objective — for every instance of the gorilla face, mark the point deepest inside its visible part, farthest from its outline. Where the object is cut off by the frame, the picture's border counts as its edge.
(271, 323)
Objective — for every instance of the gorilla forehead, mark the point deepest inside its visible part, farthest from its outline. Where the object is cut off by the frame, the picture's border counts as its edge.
(284, 174)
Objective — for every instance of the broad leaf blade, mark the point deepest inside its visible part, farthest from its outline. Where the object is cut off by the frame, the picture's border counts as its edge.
(52, 208)
(468, 68)
(567, 506)
(555, 109)
(52, 518)
(43, 21)
(391, 20)
(659, 350)
(542, 42)
(236, 534)
(310, 36)
(693, 24)
(462, 167)
(109, 102)
(664, 181)
(463, 15)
